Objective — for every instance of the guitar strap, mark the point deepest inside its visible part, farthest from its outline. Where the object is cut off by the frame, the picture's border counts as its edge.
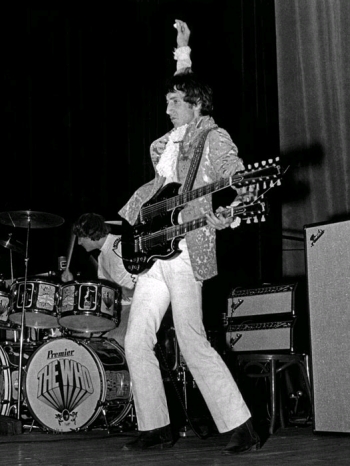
(192, 172)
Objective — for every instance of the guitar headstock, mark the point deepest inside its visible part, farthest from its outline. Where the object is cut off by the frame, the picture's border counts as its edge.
(260, 175)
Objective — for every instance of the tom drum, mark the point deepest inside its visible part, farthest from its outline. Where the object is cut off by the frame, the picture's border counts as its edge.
(40, 303)
(89, 306)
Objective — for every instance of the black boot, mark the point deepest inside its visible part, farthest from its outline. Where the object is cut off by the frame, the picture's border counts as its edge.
(156, 438)
(243, 438)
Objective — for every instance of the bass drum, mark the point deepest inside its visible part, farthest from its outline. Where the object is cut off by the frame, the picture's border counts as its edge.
(69, 382)
(9, 364)
(5, 383)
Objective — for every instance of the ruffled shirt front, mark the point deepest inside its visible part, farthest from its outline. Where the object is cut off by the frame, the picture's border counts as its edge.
(167, 163)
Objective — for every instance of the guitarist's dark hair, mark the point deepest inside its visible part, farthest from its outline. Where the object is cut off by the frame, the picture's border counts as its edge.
(91, 226)
(195, 90)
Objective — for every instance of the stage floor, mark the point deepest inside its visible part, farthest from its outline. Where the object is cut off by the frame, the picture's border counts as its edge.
(288, 446)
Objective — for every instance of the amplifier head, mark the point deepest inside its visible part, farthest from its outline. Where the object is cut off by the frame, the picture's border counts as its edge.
(265, 300)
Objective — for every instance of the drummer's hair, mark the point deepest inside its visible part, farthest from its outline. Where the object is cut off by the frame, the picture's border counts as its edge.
(91, 226)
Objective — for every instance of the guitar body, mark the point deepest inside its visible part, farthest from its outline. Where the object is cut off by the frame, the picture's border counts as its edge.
(136, 260)
(157, 206)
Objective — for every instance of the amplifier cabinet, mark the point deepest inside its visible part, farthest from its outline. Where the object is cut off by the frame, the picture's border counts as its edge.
(327, 249)
(265, 300)
(260, 336)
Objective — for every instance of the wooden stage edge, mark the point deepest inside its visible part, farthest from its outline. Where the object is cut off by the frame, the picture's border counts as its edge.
(288, 446)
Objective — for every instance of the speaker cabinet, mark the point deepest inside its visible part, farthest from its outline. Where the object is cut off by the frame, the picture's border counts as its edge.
(327, 248)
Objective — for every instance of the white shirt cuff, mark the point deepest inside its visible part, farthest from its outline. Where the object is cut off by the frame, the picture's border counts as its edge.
(182, 56)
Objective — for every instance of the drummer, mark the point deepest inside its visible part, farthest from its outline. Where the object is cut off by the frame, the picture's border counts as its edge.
(93, 233)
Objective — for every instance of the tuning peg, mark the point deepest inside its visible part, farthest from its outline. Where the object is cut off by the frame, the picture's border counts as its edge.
(279, 183)
(249, 167)
(277, 159)
(263, 163)
(248, 220)
(255, 219)
(263, 218)
(270, 161)
(264, 185)
(256, 164)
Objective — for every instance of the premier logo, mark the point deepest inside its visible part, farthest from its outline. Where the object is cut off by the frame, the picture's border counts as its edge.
(60, 354)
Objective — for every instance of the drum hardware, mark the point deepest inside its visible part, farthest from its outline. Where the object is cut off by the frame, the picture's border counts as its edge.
(129, 420)
(51, 273)
(12, 245)
(181, 368)
(27, 219)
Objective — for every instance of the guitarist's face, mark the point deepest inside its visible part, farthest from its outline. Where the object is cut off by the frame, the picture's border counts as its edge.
(179, 111)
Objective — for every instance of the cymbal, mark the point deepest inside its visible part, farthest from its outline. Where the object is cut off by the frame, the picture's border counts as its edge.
(25, 218)
(12, 244)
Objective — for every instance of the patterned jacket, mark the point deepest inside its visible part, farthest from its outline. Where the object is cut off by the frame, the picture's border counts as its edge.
(219, 160)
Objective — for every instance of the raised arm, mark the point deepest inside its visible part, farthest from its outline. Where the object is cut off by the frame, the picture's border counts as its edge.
(182, 52)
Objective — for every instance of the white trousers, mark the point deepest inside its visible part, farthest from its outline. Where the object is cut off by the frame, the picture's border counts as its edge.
(173, 281)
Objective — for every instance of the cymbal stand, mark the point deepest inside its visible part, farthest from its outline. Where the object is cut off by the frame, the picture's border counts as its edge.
(23, 321)
(11, 263)
(182, 377)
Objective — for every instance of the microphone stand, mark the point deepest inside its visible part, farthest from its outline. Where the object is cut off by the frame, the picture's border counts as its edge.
(23, 321)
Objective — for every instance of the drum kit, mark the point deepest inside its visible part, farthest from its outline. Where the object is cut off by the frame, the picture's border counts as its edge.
(57, 370)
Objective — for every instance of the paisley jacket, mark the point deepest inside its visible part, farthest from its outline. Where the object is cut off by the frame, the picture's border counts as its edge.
(219, 160)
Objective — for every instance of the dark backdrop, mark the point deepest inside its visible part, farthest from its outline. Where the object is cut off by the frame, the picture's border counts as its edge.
(83, 100)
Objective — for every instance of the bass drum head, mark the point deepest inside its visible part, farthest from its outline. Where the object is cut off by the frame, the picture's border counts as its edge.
(5, 383)
(64, 385)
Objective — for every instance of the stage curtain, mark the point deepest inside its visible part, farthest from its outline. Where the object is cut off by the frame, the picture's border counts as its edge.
(313, 64)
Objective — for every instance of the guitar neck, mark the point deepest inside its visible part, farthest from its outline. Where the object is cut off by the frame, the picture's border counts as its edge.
(183, 198)
(246, 212)
(252, 176)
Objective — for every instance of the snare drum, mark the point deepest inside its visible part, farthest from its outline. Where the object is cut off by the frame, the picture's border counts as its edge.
(41, 303)
(68, 382)
(88, 306)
